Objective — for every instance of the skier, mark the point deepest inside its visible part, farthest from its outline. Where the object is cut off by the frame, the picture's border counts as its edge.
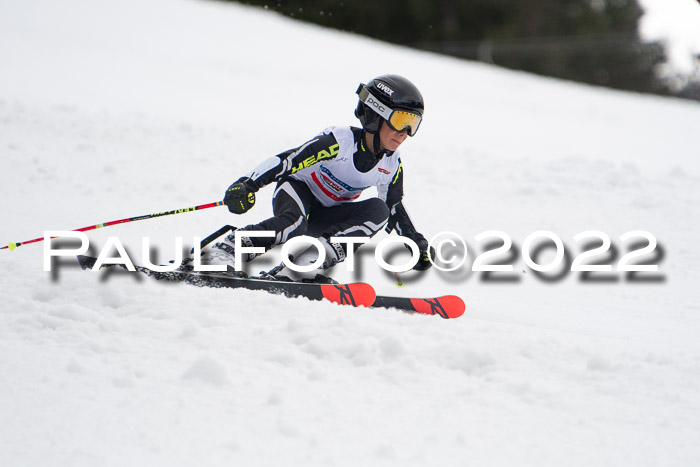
(317, 184)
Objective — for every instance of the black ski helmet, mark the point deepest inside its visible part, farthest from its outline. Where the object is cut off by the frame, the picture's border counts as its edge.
(399, 96)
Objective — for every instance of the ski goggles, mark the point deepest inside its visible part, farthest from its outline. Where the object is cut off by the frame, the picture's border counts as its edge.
(398, 120)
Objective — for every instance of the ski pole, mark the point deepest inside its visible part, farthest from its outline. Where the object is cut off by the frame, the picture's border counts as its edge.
(12, 246)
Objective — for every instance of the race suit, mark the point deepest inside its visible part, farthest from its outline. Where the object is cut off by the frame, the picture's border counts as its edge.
(319, 182)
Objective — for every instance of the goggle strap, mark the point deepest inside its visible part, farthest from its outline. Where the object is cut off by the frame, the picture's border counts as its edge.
(373, 103)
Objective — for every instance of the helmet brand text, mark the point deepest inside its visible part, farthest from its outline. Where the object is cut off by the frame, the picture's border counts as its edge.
(385, 88)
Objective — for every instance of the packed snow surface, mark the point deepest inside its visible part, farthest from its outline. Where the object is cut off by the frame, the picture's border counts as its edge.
(111, 110)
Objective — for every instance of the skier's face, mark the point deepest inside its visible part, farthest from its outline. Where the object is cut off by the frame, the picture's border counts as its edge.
(390, 139)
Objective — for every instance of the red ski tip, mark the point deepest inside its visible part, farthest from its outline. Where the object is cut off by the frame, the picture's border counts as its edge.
(449, 306)
(357, 294)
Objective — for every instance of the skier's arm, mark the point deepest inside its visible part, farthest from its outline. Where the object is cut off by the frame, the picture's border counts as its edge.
(399, 219)
(323, 147)
(240, 196)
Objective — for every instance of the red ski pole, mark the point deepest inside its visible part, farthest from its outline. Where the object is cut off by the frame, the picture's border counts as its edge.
(12, 246)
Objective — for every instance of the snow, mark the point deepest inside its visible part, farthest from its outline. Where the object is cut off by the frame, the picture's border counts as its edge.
(116, 109)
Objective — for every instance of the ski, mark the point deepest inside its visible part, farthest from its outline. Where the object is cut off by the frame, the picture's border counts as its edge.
(448, 306)
(355, 294)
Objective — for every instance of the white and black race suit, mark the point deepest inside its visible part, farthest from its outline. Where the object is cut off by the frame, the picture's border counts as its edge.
(318, 185)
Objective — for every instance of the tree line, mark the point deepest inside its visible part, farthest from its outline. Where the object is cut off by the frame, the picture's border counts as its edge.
(590, 41)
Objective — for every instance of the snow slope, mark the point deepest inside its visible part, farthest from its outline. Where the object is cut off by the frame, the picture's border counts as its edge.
(116, 109)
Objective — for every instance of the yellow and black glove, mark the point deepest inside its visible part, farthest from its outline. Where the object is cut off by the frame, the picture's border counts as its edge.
(426, 252)
(240, 196)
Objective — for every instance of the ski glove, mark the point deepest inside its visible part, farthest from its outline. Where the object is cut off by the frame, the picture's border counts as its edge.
(240, 196)
(426, 253)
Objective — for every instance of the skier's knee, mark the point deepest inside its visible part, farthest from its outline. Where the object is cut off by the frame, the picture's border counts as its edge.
(377, 213)
(379, 210)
